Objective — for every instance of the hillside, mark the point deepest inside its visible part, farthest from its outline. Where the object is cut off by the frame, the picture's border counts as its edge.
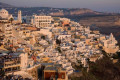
(74, 12)
(4, 5)
(105, 22)
(49, 10)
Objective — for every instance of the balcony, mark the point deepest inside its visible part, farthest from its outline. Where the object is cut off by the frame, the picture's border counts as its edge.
(12, 65)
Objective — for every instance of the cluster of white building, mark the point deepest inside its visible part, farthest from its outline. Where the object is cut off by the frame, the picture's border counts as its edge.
(37, 40)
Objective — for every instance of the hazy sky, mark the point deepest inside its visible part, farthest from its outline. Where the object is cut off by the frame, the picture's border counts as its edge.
(99, 5)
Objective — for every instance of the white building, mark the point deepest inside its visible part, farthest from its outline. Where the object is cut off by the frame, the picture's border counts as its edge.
(7, 28)
(64, 36)
(39, 20)
(19, 16)
(110, 45)
(24, 61)
(4, 15)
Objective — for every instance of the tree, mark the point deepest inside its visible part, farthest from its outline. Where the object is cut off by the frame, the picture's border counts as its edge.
(11, 20)
(43, 37)
(58, 41)
(104, 69)
(58, 48)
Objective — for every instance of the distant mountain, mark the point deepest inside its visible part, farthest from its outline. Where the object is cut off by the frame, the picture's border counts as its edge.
(72, 13)
(75, 12)
(4, 5)
(49, 10)
(52, 11)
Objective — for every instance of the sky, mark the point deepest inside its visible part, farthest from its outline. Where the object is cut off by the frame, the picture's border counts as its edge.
(97, 5)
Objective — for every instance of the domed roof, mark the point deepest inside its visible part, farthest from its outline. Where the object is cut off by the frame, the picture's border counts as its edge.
(4, 13)
(3, 10)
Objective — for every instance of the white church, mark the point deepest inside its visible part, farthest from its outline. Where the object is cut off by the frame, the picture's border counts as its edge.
(5, 16)
(110, 45)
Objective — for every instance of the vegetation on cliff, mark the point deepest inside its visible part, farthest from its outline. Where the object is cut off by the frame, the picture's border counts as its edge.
(103, 69)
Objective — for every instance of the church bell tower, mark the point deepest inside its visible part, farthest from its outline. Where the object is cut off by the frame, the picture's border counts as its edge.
(19, 16)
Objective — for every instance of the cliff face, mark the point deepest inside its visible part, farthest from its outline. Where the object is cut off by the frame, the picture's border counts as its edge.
(72, 12)
(83, 11)
(101, 21)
